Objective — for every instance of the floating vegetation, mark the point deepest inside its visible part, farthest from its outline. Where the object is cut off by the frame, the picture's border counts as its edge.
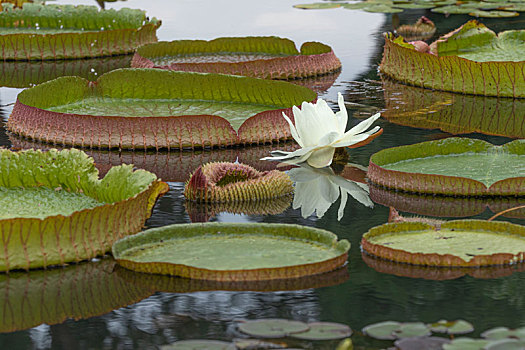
(471, 60)
(61, 211)
(463, 243)
(233, 182)
(423, 29)
(488, 8)
(260, 57)
(431, 167)
(51, 32)
(153, 108)
(233, 252)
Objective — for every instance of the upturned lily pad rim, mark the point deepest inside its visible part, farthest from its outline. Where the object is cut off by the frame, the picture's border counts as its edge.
(60, 239)
(84, 130)
(295, 232)
(443, 184)
(443, 260)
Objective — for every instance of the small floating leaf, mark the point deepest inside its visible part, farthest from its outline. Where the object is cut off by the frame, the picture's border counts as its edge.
(382, 330)
(199, 345)
(493, 14)
(272, 327)
(504, 332)
(418, 343)
(411, 329)
(466, 344)
(317, 6)
(452, 327)
(324, 331)
(505, 344)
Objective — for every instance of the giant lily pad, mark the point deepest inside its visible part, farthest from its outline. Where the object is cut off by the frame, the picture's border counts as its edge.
(446, 206)
(432, 167)
(260, 57)
(55, 209)
(471, 60)
(453, 113)
(233, 252)
(50, 32)
(233, 182)
(458, 243)
(51, 296)
(152, 108)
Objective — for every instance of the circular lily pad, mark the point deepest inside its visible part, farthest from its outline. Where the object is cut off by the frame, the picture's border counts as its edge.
(452, 327)
(260, 57)
(272, 328)
(382, 330)
(504, 332)
(324, 331)
(50, 32)
(466, 344)
(233, 252)
(199, 345)
(153, 108)
(457, 243)
(62, 212)
(432, 167)
(418, 343)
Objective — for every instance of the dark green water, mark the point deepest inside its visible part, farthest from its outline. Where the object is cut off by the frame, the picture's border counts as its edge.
(366, 295)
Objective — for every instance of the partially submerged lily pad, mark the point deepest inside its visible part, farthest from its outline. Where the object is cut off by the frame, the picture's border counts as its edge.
(431, 167)
(390, 330)
(50, 32)
(82, 215)
(272, 327)
(423, 29)
(260, 57)
(199, 344)
(51, 296)
(468, 243)
(452, 327)
(471, 60)
(504, 332)
(324, 331)
(152, 108)
(234, 182)
(233, 252)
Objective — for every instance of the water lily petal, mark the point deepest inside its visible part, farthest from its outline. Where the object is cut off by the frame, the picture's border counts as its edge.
(329, 191)
(321, 157)
(342, 115)
(342, 205)
(293, 131)
(302, 175)
(349, 140)
(365, 124)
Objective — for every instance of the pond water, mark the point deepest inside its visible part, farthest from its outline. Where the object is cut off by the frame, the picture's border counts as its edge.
(109, 308)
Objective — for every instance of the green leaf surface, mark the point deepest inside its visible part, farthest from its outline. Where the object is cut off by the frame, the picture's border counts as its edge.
(456, 243)
(272, 327)
(317, 6)
(411, 329)
(418, 343)
(466, 344)
(506, 344)
(245, 252)
(382, 330)
(324, 331)
(495, 14)
(152, 108)
(452, 327)
(199, 345)
(39, 32)
(504, 332)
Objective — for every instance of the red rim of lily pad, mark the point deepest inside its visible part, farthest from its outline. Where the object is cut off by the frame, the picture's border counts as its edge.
(173, 284)
(392, 230)
(126, 251)
(445, 206)
(443, 184)
(313, 59)
(403, 62)
(126, 199)
(55, 295)
(81, 31)
(32, 117)
(221, 182)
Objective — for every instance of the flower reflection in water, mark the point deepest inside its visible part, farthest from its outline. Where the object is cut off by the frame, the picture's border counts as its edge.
(316, 189)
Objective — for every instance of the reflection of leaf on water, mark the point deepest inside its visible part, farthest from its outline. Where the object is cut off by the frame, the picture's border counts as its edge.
(317, 189)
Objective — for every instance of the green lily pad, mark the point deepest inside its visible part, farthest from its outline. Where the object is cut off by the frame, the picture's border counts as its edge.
(454, 9)
(69, 226)
(452, 327)
(504, 332)
(62, 212)
(471, 60)
(418, 343)
(453, 113)
(272, 328)
(232, 252)
(260, 57)
(28, 299)
(494, 14)
(199, 345)
(317, 6)
(324, 331)
(411, 329)
(50, 32)
(431, 167)
(457, 243)
(466, 344)
(506, 344)
(152, 108)
(382, 330)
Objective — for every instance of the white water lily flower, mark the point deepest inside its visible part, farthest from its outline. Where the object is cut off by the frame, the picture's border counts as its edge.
(319, 132)
(316, 189)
